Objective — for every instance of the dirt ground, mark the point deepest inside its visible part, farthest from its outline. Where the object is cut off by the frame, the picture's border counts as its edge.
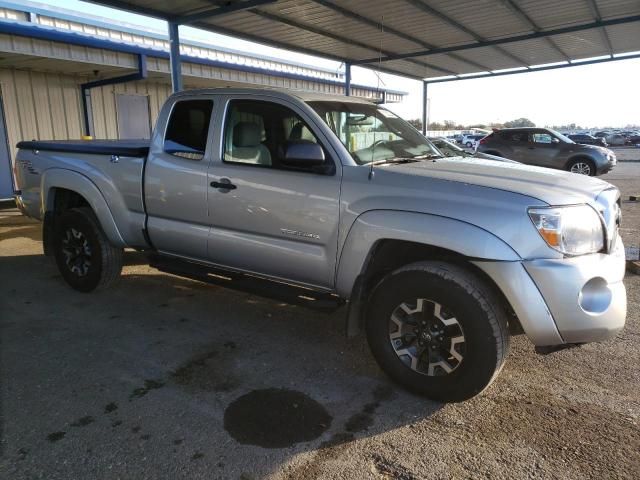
(163, 377)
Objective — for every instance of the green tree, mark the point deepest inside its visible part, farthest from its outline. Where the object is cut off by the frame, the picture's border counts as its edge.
(519, 122)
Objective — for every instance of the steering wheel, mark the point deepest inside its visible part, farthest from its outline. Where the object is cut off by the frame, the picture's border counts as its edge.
(377, 142)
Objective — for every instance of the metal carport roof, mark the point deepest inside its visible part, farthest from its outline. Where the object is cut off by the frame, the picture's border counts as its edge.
(420, 39)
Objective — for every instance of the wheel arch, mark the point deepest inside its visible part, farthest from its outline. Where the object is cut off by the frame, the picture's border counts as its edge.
(63, 189)
(376, 246)
(580, 156)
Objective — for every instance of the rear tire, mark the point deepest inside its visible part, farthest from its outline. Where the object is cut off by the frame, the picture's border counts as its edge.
(438, 330)
(85, 258)
(582, 166)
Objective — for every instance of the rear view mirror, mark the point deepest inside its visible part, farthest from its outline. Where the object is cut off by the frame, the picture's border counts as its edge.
(555, 140)
(304, 154)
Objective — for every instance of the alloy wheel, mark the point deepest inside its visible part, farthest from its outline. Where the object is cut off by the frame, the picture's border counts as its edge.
(427, 337)
(77, 252)
(582, 168)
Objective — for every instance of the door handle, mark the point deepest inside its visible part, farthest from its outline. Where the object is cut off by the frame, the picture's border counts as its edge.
(223, 184)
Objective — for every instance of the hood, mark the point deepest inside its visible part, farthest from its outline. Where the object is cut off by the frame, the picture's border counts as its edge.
(554, 187)
(488, 156)
(582, 146)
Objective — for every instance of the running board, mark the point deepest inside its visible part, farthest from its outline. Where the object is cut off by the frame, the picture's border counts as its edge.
(284, 292)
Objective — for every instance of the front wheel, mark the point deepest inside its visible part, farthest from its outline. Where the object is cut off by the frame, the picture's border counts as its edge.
(583, 167)
(438, 330)
(85, 258)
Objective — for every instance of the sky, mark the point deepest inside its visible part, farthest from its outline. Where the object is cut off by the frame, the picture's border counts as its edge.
(604, 95)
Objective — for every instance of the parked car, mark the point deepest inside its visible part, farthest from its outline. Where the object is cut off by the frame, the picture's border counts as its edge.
(437, 259)
(450, 149)
(458, 138)
(586, 139)
(471, 141)
(547, 148)
(616, 139)
(633, 139)
(602, 134)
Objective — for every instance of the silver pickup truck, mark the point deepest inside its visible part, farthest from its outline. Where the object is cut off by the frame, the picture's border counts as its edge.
(332, 201)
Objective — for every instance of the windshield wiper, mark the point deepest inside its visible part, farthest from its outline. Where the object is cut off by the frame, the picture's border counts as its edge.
(427, 156)
(395, 160)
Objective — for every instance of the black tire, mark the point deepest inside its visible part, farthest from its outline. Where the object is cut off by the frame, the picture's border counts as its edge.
(469, 301)
(575, 164)
(93, 262)
(469, 144)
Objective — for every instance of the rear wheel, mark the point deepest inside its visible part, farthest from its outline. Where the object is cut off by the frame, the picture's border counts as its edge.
(85, 258)
(582, 166)
(438, 330)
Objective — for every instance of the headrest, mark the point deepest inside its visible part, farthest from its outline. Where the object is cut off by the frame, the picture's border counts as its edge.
(247, 134)
(296, 131)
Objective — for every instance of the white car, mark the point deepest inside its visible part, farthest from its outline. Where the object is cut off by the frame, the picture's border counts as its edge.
(471, 141)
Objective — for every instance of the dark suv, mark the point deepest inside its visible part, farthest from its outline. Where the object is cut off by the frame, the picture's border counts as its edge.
(547, 148)
(585, 139)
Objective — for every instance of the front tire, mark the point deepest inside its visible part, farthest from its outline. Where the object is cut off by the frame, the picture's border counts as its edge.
(85, 258)
(438, 330)
(582, 166)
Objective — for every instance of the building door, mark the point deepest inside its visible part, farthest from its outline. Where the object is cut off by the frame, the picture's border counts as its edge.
(134, 121)
(6, 175)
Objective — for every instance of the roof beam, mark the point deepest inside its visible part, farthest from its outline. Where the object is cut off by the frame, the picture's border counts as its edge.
(539, 69)
(218, 11)
(348, 41)
(372, 23)
(515, 8)
(506, 40)
(445, 18)
(595, 11)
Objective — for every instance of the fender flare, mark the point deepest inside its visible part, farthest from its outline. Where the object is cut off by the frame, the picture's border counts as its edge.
(432, 230)
(82, 185)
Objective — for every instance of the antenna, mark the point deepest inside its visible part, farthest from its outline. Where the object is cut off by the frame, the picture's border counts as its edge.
(373, 152)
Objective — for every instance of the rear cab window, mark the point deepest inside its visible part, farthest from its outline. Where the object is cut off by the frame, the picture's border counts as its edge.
(188, 128)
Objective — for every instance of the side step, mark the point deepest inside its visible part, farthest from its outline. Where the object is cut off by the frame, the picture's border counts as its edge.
(284, 292)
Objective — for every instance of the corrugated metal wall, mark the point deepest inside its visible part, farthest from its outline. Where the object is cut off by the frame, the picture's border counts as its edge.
(45, 106)
(40, 105)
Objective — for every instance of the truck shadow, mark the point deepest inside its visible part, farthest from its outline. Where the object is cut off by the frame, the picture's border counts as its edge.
(259, 373)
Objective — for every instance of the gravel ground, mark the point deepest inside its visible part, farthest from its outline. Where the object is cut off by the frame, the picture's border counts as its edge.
(163, 377)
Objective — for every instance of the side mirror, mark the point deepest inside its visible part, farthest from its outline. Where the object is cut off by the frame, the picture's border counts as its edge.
(554, 140)
(304, 154)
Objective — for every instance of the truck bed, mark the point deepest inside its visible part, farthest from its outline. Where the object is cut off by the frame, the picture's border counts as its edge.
(125, 148)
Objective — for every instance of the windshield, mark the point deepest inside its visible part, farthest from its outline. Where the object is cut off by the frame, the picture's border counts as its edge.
(561, 136)
(373, 134)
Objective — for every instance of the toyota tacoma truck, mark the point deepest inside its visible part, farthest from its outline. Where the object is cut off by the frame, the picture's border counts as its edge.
(337, 202)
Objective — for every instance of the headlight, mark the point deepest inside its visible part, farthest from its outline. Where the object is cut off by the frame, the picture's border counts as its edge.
(572, 230)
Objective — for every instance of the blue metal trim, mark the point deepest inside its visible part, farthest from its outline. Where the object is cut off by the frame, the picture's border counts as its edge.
(85, 88)
(46, 33)
(502, 41)
(575, 63)
(96, 22)
(219, 11)
(347, 79)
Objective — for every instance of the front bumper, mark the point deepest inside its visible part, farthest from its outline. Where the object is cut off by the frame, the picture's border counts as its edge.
(570, 300)
(586, 295)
